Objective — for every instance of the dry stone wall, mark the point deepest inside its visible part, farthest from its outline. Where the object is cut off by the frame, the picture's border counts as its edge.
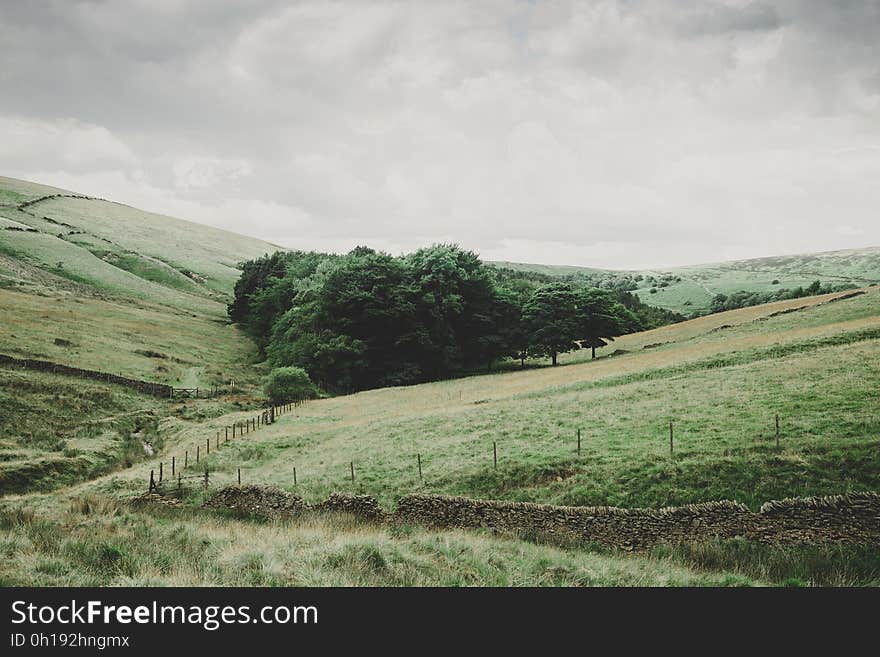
(852, 518)
(266, 501)
(150, 388)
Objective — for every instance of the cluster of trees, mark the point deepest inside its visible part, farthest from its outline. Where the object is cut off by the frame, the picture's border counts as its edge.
(744, 298)
(367, 319)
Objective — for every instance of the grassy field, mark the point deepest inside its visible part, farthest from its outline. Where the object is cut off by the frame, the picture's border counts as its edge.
(689, 289)
(97, 542)
(106, 287)
(818, 368)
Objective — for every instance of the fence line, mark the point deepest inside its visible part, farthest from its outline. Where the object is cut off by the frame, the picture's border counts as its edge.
(260, 420)
(267, 417)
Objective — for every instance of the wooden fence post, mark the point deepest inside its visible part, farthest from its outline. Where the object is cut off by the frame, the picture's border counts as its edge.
(160, 471)
(239, 476)
(777, 431)
(419, 458)
(352, 472)
(495, 454)
(179, 483)
(152, 482)
(294, 475)
(206, 478)
(172, 467)
(185, 459)
(207, 446)
(670, 438)
(197, 453)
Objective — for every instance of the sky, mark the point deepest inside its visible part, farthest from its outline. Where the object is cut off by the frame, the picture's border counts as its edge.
(617, 134)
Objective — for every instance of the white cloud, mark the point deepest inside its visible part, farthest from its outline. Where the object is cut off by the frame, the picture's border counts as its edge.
(614, 134)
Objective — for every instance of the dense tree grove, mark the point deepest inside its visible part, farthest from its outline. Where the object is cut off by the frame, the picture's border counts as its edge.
(368, 319)
(744, 298)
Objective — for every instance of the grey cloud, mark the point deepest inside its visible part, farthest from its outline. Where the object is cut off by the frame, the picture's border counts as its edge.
(660, 126)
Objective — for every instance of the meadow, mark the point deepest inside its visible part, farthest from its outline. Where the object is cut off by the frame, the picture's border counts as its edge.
(150, 303)
(819, 373)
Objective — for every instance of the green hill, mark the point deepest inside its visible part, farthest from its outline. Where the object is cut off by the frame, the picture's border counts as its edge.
(689, 290)
(99, 285)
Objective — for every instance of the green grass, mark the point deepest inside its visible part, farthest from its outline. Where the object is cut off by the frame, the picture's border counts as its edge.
(805, 565)
(699, 283)
(97, 542)
(820, 375)
(142, 295)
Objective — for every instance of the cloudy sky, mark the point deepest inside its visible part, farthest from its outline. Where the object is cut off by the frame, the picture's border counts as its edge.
(616, 134)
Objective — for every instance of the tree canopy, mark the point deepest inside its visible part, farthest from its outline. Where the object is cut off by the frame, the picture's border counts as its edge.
(368, 319)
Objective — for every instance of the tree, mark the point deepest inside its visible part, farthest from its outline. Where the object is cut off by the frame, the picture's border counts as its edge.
(550, 318)
(601, 318)
(289, 384)
(455, 306)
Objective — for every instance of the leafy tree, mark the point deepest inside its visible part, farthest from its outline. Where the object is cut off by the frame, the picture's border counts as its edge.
(289, 384)
(550, 318)
(601, 318)
(455, 306)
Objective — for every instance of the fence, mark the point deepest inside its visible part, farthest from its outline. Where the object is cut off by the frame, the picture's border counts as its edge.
(268, 416)
(193, 457)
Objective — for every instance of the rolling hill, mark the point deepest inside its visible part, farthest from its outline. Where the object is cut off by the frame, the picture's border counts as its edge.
(100, 285)
(687, 290)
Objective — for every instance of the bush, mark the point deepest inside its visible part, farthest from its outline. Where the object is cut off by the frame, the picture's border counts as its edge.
(289, 384)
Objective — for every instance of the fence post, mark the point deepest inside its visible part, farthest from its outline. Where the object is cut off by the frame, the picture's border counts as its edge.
(495, 453)
(206, 478)
(579, 442)
(239, 476)
(197, 453)
(152, 482)
(185, 459)
(419, 458)
(777, 431)
(160, 471)
(352, 472)
(207, 446)
(179, 483)
(294, 475)
(233, 429)
(670, 438)
(172, 467)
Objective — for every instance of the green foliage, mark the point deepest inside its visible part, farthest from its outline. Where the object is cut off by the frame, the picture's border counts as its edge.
(745, 298)
(550, 317)
(368, 319)
(289, 384)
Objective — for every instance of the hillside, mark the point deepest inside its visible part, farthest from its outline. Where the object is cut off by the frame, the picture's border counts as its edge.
(105, 286)
(721, 379)
(687, 290)
(101, 286)
(73, 452)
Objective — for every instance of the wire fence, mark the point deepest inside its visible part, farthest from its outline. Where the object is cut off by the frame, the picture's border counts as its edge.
(161, 482)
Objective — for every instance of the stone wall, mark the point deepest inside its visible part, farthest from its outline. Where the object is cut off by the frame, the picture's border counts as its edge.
(852, 518)
(150, 388)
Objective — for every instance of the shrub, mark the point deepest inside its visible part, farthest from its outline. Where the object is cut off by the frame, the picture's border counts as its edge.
(289, 384)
